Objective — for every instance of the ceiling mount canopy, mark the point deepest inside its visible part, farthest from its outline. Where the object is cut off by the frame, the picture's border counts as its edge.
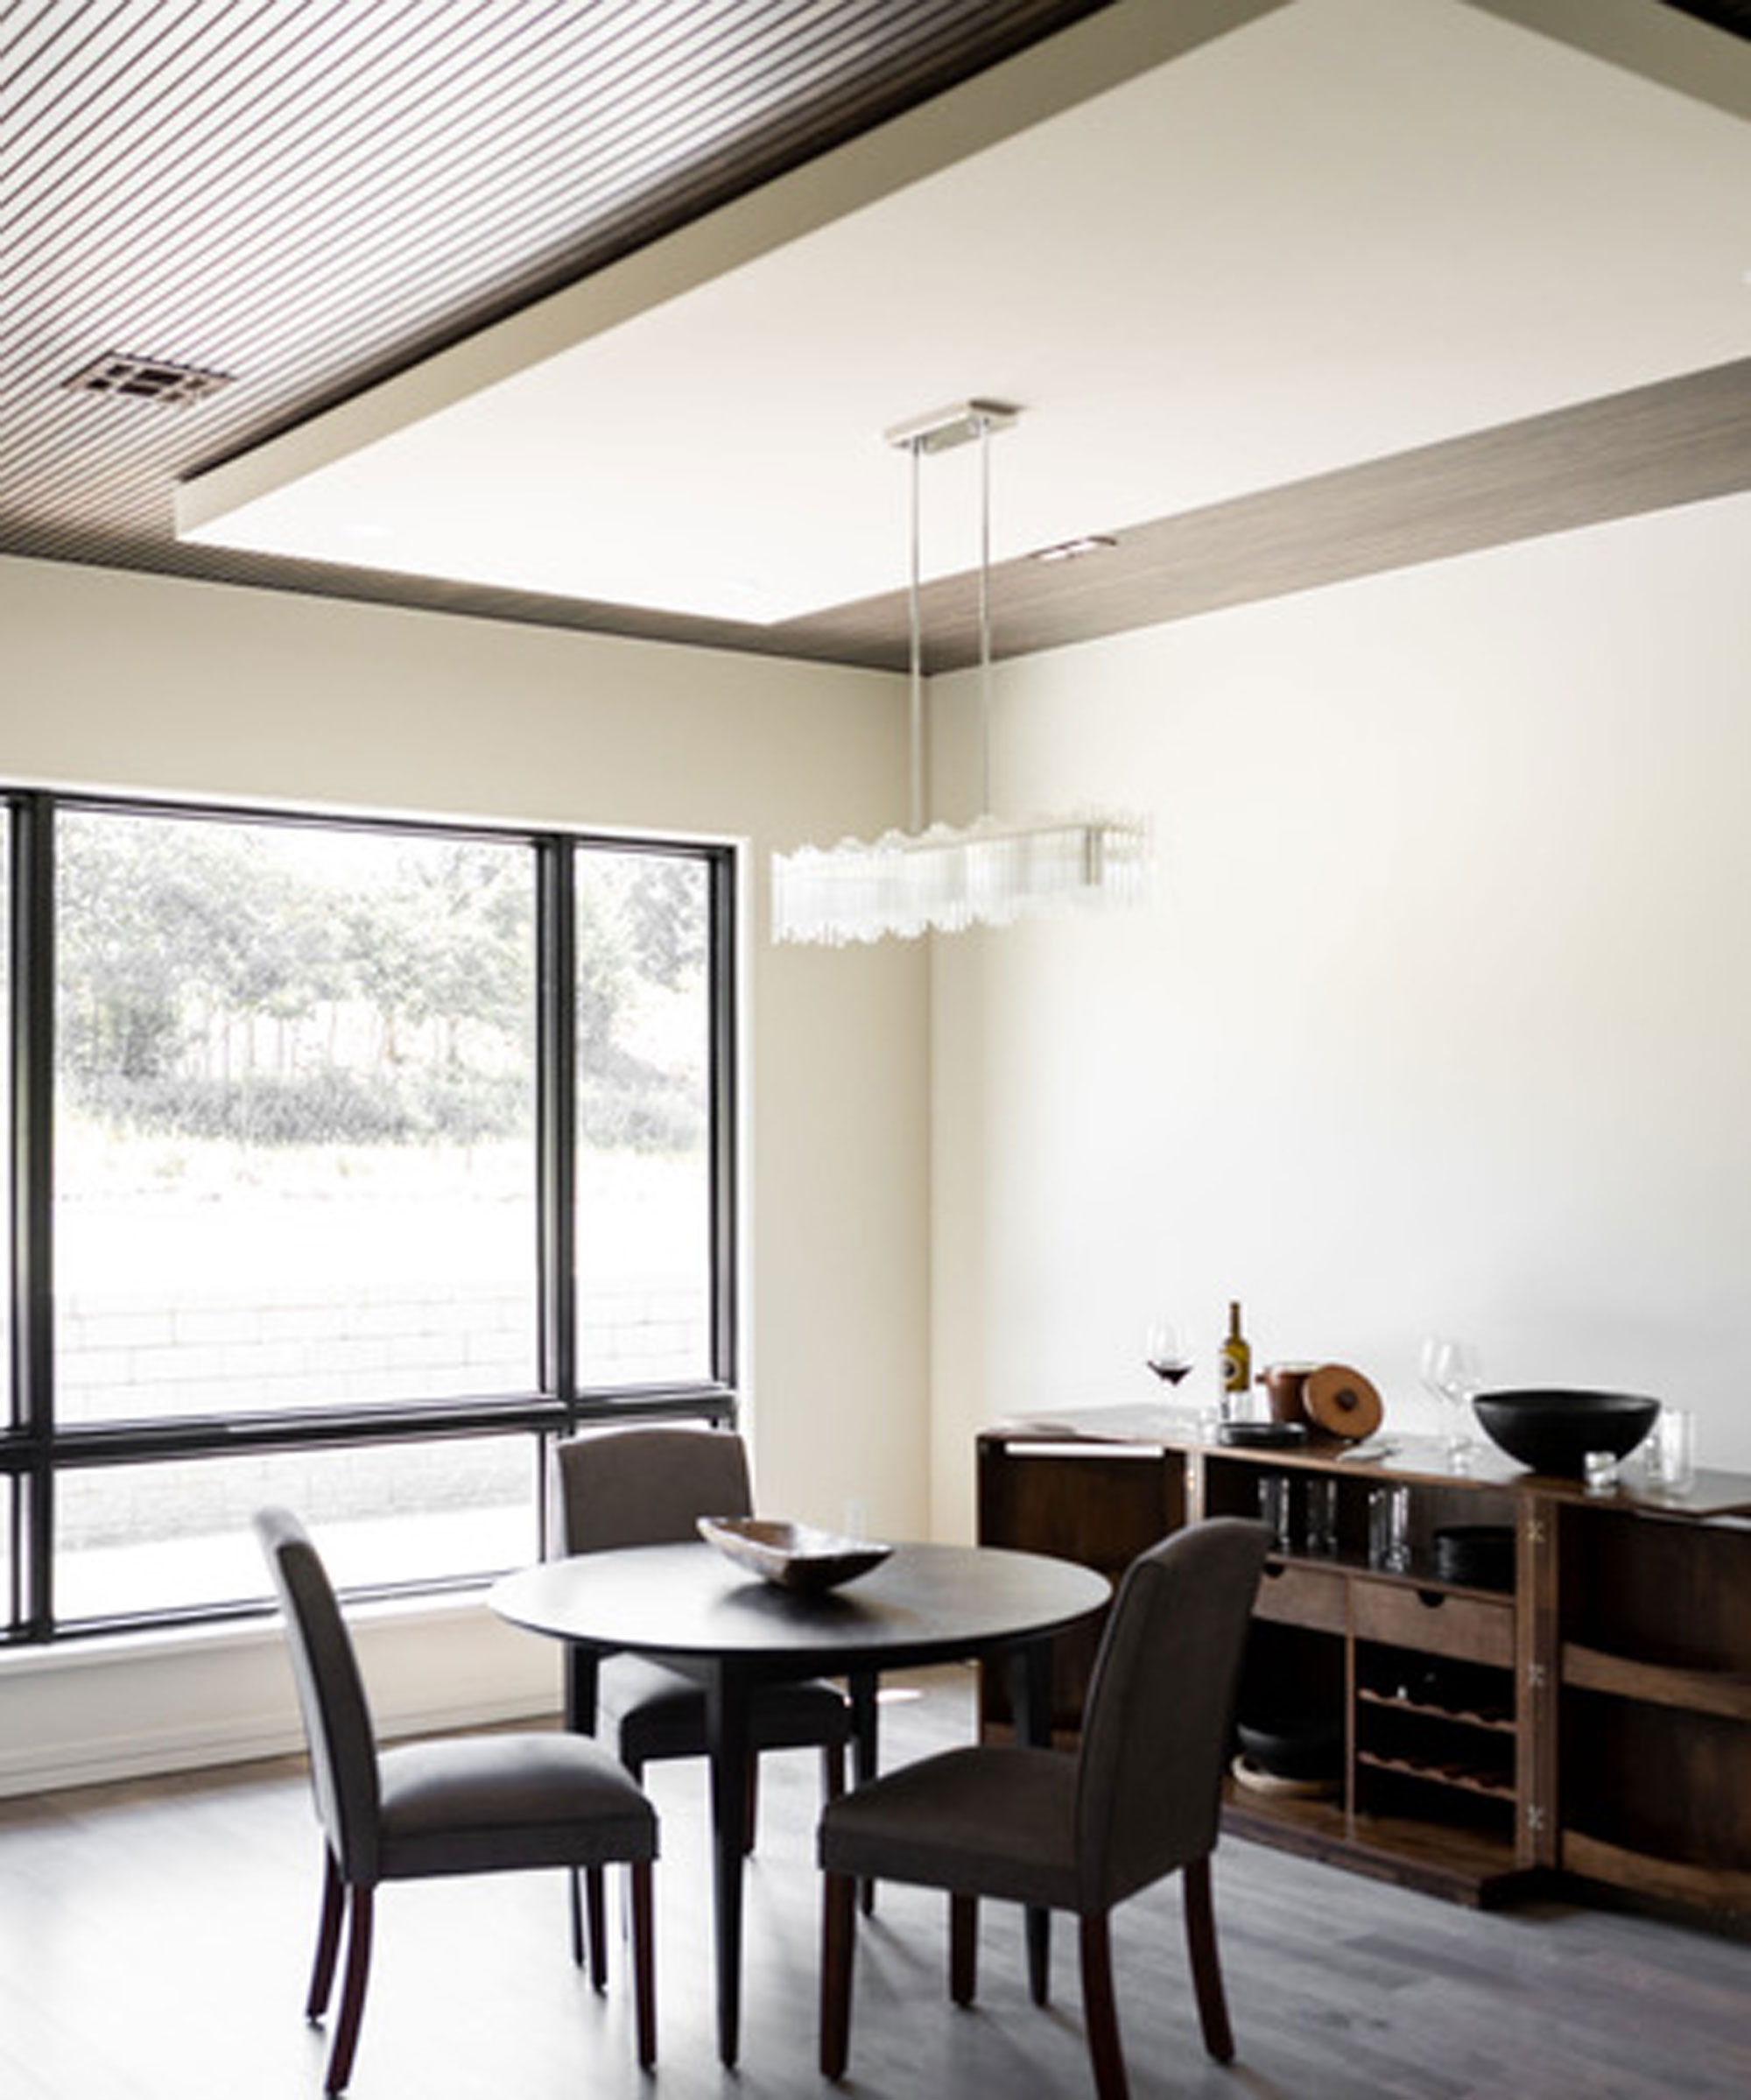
(946, 879)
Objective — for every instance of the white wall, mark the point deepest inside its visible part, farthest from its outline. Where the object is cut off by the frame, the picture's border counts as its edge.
(1442, 1017)
(139, 682)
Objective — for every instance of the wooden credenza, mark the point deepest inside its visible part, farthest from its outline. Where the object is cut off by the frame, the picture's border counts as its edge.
(1590, 1719)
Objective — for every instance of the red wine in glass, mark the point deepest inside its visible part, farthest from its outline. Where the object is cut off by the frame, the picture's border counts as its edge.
(1167, 1352)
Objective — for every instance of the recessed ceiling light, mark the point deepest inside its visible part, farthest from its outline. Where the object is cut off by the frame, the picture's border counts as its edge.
(147, 379)
(1073, 550)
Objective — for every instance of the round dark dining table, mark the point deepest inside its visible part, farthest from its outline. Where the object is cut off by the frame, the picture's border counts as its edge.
(689, 1603)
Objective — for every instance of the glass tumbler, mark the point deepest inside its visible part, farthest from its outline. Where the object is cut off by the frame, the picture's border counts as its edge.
(1322, 1515)
(1389, 1529)
(1277, 1507)
(1672, 1450)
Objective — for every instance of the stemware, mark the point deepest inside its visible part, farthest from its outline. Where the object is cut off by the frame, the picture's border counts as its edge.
(1453, 1372)
(1167, 1350)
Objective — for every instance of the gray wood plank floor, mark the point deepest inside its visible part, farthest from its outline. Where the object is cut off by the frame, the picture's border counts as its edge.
(154, 1941)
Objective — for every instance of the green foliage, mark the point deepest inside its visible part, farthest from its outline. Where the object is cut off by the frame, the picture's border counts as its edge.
(220, 979)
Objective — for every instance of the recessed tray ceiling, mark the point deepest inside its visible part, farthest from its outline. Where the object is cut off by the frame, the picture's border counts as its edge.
(1205, 266)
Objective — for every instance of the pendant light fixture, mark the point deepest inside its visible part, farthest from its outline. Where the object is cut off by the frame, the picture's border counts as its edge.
(946, 878)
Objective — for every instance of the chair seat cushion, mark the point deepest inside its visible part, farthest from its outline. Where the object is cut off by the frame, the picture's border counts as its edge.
(473, 1803)
(654, 1711)
(993, 1821)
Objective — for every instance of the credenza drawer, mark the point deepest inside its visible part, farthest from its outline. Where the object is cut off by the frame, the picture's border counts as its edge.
(1302, 1596)
(1470, 1629)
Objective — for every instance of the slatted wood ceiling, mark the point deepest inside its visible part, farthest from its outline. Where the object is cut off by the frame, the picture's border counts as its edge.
(312, 196)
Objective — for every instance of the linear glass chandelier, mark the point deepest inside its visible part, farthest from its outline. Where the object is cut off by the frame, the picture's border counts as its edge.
(947, 877)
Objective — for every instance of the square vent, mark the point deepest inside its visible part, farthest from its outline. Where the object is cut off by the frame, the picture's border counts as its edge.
(148, 379)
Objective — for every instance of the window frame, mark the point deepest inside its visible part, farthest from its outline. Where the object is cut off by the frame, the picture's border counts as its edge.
(34, 1449)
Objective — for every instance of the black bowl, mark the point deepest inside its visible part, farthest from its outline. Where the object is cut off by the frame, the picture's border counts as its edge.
(1552, 1432)
(1293, 1746)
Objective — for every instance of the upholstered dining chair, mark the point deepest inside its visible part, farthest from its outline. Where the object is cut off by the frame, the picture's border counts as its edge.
(465, 1805)
(648, 1484)
(1076, 1832)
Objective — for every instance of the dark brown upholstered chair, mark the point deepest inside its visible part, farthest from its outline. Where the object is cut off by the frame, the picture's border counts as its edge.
(1077, 1831)
(468, 1805)
(648, 1486)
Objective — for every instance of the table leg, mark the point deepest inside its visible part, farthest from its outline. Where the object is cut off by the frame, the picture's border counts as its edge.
(1030, 1683)
(582, 1670)
(727, 1691)
(861, 1686)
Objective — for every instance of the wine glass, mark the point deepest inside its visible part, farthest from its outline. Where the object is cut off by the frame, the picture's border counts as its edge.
(1453, 1372)
(1167, 1350)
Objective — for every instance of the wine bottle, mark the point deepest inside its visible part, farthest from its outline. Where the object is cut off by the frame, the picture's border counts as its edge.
(1237, 1366)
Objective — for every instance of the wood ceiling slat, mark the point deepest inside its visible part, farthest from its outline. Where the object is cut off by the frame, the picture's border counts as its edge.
(154, 188)
(388, 147)
(50, 44)
(104, 115)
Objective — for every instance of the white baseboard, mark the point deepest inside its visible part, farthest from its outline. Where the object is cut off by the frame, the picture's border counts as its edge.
(85, 1712)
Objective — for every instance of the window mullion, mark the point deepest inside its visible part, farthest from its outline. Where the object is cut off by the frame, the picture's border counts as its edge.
(557, 1119)
(726, 1365)
(32, 1023)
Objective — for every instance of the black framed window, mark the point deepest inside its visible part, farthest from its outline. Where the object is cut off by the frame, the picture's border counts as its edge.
(350, 1161)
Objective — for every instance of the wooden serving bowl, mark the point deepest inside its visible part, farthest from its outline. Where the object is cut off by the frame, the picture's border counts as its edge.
(792, 1556)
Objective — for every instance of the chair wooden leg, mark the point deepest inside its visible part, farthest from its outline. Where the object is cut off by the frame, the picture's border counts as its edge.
(1100, 2010)
(352, 1992)
(596, 1905)
(832, 1771)
(643, 1959)
(1036, 1928)
(1206, 1967)
(589, 1912)
(963, 1948)
(839, 1933)
(328, 1939)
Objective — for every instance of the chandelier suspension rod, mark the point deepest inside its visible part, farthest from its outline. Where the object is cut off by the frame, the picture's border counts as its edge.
(916, 656)
(984, 616)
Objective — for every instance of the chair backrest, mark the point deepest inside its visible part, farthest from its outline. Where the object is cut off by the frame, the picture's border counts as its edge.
(1160, 1706)
(330, 1695)
(647, 1485)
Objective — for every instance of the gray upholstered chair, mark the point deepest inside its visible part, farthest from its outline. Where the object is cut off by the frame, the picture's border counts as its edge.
(649, 1486)
(467, 1805)
(1076, 1832)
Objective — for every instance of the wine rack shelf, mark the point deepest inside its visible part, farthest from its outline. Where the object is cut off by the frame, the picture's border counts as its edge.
(1467, 1779)
(1490, 1742)
(1503, 1723)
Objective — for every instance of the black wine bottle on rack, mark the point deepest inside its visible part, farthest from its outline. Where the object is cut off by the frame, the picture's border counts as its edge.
(1237, 1367)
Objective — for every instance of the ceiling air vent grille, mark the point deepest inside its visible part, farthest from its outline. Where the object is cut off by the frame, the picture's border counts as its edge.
(148, 379)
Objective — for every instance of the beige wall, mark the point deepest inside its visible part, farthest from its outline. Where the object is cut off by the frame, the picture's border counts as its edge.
(1442, 1016)
(137, 682)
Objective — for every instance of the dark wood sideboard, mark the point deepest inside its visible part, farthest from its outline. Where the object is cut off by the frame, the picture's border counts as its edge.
(1589, 1718)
